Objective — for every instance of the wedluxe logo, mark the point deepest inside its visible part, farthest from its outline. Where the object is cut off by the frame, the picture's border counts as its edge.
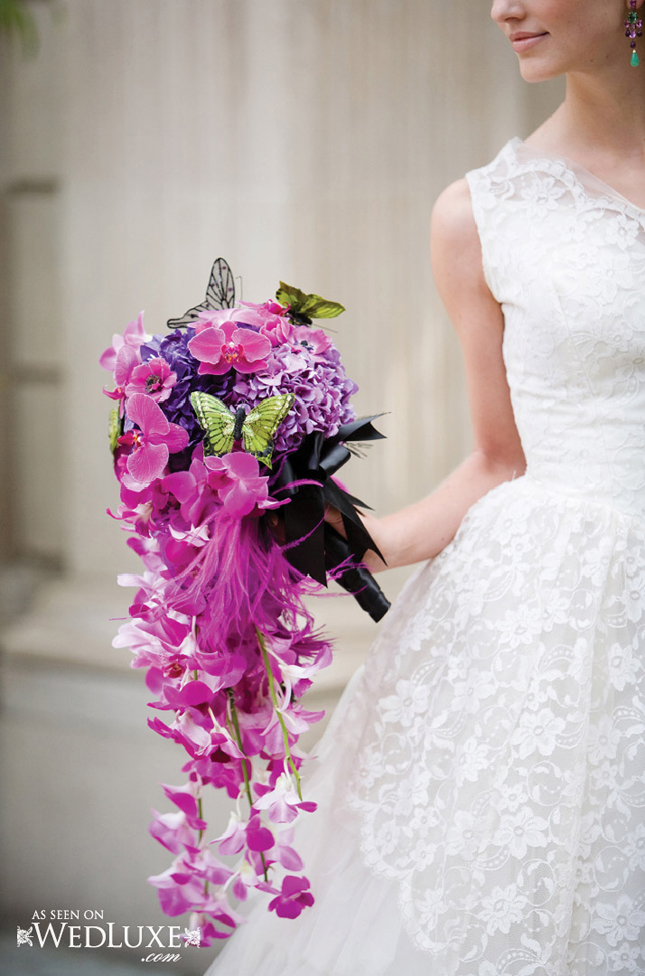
(78, 929)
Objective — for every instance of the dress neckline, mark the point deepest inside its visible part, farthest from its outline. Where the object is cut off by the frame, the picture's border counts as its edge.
(576, 169)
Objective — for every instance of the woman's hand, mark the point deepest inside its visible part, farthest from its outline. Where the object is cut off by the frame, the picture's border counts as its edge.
(334, 518)
(276, 527)
(371, 560)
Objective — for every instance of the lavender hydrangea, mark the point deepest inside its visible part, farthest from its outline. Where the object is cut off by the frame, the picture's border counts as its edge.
(320, 384)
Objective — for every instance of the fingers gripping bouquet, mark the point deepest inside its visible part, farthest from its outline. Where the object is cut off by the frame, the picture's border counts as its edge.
(226, 435)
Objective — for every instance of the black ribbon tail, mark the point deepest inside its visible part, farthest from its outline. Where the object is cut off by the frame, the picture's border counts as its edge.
(312, 546)
(305, 534)
(357, 580)
(359, 430)
(359, 538)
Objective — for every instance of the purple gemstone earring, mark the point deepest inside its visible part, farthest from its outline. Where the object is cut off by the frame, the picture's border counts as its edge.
(633, 29)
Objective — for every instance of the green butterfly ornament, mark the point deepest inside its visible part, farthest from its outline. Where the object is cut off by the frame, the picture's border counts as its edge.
(303, 307)
(256, 429)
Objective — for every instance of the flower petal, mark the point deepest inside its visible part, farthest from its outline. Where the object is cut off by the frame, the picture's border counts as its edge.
(144, 411)
(147, 462)
(256, 346)
(175, 439)
(127, 359)
(207, 345)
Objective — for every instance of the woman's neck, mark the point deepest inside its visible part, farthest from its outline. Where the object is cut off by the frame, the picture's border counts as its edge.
(602, 116)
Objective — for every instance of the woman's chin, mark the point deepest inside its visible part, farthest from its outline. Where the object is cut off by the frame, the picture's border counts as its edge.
(534, 70)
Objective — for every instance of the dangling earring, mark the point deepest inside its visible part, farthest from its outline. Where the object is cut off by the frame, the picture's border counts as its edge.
(633, 29)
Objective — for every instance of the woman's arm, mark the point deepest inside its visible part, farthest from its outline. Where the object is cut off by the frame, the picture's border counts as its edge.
(423, 529)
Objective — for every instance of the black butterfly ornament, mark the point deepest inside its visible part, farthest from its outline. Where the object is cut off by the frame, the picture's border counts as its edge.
(219, 294)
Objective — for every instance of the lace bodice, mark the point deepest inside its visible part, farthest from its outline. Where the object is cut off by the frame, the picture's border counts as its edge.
(571, 287)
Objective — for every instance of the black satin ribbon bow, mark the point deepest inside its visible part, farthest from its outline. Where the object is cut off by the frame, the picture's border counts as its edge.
(315, 547)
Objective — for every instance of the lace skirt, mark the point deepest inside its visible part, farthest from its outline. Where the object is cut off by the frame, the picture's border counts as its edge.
(481, 786)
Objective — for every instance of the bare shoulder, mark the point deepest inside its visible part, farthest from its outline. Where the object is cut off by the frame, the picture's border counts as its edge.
(453, 225)
(454, 241)
(452, 213)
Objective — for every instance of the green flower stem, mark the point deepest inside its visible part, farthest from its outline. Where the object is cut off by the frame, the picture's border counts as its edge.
(201, 816)
(238, 736)
(247, 783)
(274, 699)
(200, 813)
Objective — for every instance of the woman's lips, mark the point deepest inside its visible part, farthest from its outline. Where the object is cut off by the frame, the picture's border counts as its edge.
(524, 43)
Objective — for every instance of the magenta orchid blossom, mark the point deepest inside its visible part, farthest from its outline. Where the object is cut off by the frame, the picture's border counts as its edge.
(152, 444)
(134, 336)
(293, 897)
(229, 347)
(236, 479)
(282, 802)
(126, 360)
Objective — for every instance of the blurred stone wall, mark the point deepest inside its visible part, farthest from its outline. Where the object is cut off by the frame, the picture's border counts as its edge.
(301, 139)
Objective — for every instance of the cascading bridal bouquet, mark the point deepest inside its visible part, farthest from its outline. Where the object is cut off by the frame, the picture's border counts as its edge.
(226, 435)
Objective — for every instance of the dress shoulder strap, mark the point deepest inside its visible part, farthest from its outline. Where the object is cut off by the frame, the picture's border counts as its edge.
(489, 187)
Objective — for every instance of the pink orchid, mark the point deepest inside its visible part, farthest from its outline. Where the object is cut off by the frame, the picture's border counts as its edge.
(140, 508)
(196, 741)
(196, 536)
(202, 863)
(245, 878)
(127, 359)
(284, 853)
(233, 840)
(296, 677)
(172, 830)
(293, 898)
(163, 643)
(237, 480)
(220, 911)
(222, 670)
(240, 834)
(245, 313)
(281, 803)
(154, 377)
(297, 721)
(191, 695)
(191, 490)
(185, 797)
(152, 444)
(258, 837)
(181, 887)
(134, 336)
(219, 350)
(178, 892)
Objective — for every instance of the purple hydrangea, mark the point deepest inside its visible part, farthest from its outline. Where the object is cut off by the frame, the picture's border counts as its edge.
(320, 384)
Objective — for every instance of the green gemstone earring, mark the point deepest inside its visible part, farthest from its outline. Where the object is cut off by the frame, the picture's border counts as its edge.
(633, 29)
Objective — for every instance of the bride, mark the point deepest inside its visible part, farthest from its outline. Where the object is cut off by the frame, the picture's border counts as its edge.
(481, 786)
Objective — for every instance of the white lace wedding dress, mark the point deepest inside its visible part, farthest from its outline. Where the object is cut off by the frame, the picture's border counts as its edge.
(482, 783)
